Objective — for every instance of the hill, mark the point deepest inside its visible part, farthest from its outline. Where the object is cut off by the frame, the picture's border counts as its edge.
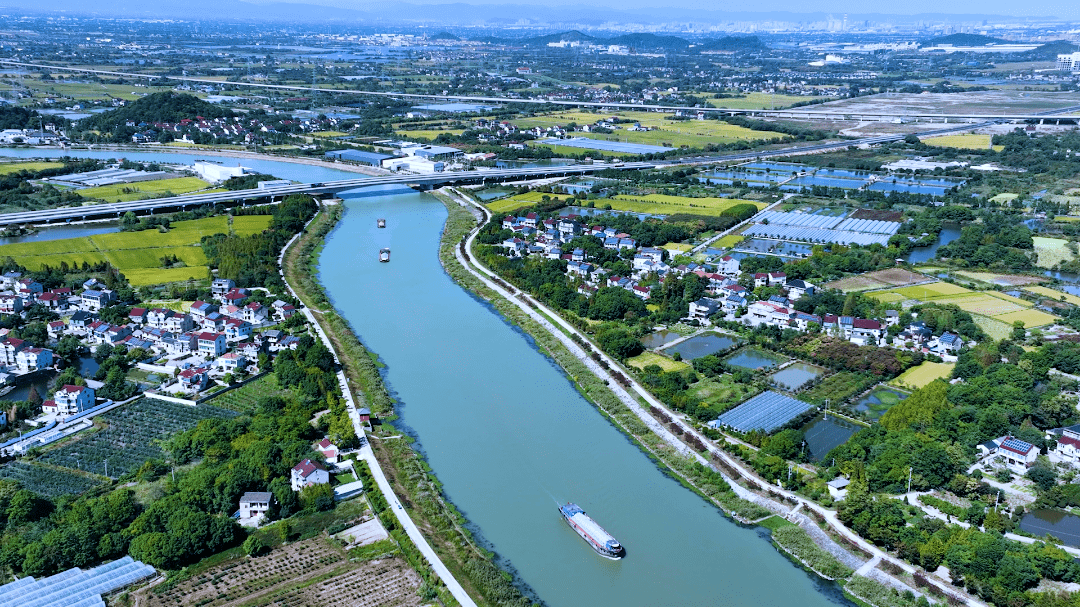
(445, 36)
(14, 117)
(1050, 51)
(166, 106)
(963, 40)
(649, 42)
(734, 43)
(571, 36)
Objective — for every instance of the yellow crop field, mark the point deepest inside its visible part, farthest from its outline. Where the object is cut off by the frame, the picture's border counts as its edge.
(660, 204)
(931, 290)
(917, 377)
(969, 141)
(1030, 318)
(329, 134)
(676, 246)
(1010, 298)
(144, 189)
(981, 303)
(1051, 251)
(1005, 197)
(141, 277)
(726, 242)
(151, 258)
(506, 205)
(14, 167)
(886, 296)
(674, 133)
(1055, 295)
(428, 133)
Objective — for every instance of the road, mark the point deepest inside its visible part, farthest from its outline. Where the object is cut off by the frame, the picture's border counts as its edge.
(805, 113)
(541, 314)
(402, 515)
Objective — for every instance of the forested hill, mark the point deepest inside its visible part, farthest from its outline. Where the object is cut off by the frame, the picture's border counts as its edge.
(13, 117)
(964, 40)
(166, 106)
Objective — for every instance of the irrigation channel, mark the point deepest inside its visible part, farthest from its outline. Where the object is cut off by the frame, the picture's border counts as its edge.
(509, 436)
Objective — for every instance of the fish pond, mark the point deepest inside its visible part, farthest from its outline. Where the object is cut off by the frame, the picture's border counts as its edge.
(1062, 525)
(658, 339)
(825, 433)
(703, 345)
(754, 359)
(796, 375)
(875, 404)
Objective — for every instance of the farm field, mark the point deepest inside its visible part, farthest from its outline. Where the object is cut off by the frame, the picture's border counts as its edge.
(999, 279)
(675, 246)
(969, 141)
(852, 284)
(428, 133)
(137, 254)
(243, 399)
(917, 377)
(931, 291)
(307, 573)
(994, 328)
(506, 205)
(891, 277)
(721, 393)
(144, 189)
(1051, 251)
(726, 242)
(983, 303)
(887, 296)
(1030, 318)
(651, 358)
(1055, 295)
(8, 168)
(130, 436)
(836, 388)
(660, 204)
(49, 481)
(672, 133)
(755, 101)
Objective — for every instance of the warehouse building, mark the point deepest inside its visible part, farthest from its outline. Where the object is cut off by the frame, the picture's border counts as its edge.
(359, 157)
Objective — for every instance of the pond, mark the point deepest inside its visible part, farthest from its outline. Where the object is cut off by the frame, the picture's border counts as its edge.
(754, 359)
(796, 375)
(829, 182)
(875, 404)
(60, 232)
(825, 434)
(657, 339)
(489, 194)
(590, 212)
(703, 345)
(921, 254)
(1062, 525)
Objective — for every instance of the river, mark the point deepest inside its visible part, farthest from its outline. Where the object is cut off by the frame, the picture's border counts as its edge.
(510, 437)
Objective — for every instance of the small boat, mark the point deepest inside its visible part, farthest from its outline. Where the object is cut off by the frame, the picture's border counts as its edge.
(601, 541)
(6, 390)
(384, 255)
(381, 223)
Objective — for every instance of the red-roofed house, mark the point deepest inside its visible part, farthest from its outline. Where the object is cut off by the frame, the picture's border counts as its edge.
(328, 449)
(211, 344)
(1018, 454)
(137, 315)
(194, 379)
(1067, 447)
(70, 400)
(308, 473)
(56, 328)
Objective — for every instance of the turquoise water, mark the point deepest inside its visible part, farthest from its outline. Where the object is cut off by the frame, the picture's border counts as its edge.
(510, 437)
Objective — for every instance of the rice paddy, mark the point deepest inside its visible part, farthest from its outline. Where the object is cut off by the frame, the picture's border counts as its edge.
(726, 242)
(1030, 318)
(969, 141)
(144, 189)
(917, 377)
(137, 254)
(661, 204)
(1055, 295)
(15, 167)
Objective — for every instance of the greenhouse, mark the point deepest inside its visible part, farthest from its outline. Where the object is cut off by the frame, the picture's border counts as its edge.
(766, 412)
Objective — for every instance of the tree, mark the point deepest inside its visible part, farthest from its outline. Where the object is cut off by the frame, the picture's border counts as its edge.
(1043, 477)
(317, 497)
(255, 546)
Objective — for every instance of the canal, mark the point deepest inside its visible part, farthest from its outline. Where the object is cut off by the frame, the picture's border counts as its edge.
(510, 437)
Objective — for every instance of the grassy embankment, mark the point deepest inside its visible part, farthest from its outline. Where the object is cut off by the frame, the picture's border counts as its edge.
(137, 254)
(700, 479)
(414, 484)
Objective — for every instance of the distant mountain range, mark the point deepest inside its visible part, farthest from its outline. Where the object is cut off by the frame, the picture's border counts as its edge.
(448, 14)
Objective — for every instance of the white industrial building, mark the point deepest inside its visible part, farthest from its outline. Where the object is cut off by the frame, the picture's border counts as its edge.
(413, 164)
(214, 172)
(1069, 63)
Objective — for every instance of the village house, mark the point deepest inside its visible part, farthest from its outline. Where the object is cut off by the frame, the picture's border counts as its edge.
(1066, 447)
(158, 316)
(10, 304)
(94, 301)
(138, 316)
(210, 344)
(1017, 455)
(703, 308)
(56, 329)
(69, 400)
(220, 286)
(194, 379)
(9, 349)
(329, 450)
(255, 504)
(33, 359)
(308, 473)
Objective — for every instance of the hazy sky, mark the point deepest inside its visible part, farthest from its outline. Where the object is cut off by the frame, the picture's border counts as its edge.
(1062, 9)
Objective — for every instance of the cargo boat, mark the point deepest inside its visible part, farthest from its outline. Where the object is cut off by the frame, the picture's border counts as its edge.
(381, 223)
(384, 255)
(601, 541)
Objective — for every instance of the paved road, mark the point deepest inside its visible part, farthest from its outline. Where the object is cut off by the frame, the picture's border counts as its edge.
(403, 518)
(484, 274)
(809, 112)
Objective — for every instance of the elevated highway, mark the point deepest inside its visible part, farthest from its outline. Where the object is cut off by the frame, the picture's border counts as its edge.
(813, 112)
(179, 203)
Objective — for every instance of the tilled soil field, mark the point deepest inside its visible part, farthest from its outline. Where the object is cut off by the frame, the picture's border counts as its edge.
(308, 573)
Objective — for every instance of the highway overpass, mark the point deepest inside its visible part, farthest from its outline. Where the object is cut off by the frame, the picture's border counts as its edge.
(179, 203)
(813, 112)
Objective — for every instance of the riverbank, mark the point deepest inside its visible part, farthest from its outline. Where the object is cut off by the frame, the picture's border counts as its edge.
(408, 475)
(548, 328)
